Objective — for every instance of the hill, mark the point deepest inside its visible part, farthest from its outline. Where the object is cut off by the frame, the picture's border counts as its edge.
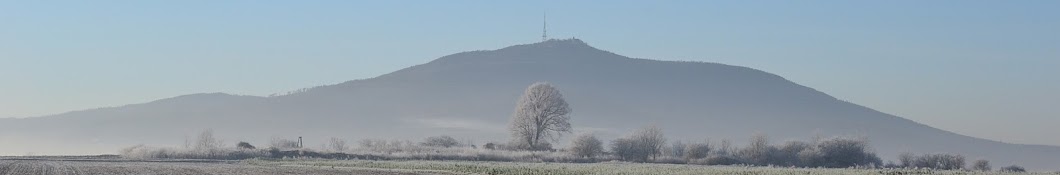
(471, 95)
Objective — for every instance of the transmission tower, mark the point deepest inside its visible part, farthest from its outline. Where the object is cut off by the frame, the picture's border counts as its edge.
(544, 27)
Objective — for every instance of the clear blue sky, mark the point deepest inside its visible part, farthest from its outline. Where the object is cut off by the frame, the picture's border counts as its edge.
(982, 68)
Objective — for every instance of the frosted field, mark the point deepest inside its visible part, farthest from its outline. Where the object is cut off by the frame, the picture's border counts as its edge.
(467, 167)
(176, 167)
(59, 165)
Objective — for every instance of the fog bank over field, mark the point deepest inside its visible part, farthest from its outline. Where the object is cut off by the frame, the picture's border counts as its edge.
(470, 95)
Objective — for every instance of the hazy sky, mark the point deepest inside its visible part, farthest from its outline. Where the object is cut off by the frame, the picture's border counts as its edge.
(983, 68)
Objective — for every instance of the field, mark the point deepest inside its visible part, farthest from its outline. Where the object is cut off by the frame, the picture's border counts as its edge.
(608, 168)
(80, 165)
(110, 165)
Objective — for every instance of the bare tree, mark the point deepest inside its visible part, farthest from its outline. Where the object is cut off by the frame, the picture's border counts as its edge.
(587, 146)
(541, 113)
(650, 140)
(623, 149)
(207, 141)
(640, 146)
(337, 145)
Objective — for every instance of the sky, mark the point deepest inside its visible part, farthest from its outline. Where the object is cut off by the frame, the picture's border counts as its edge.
(987, 69)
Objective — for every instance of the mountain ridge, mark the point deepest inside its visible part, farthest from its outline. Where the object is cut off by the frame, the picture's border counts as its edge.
(467, 93)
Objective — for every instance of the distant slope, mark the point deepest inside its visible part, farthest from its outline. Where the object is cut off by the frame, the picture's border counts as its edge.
(472, 94)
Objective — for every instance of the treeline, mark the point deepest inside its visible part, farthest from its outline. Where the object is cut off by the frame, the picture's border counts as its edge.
(205, 146)
(649, 145)
(946, 162)
(543, 113)
(646, 145)
(541, 117)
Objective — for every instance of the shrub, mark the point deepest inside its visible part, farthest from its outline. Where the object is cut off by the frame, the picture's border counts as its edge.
(907, 160)
(586, 146)
(839, 153)
(981, 165)
(788, 153)
(490, 146)
(810, 157)
(519, 145)
(244, 145)
(716, 160)
(206, 147)
(694, 151)
(758, 151)
(440, 141)
(385, 146)
(542, 146)
(891, 164)
(1012, 168)
(933, 161)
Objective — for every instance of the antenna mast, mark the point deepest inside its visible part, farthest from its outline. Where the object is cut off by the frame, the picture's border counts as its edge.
(544, 26)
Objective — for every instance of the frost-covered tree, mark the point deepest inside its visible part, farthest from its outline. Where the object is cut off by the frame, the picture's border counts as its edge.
(936, 161)
(981, 165)
(724, 148)
(540, 114)
(839, 153)
(906, 160)
(787, 154)
(696, 151)
(206, 141)
(622, 148)
(336, 145)
(586, 145)
(643, 145)
(758, 151)
(651, 140)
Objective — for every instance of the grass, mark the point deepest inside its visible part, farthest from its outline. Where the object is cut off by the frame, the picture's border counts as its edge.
(608, 168)
(66, 166)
